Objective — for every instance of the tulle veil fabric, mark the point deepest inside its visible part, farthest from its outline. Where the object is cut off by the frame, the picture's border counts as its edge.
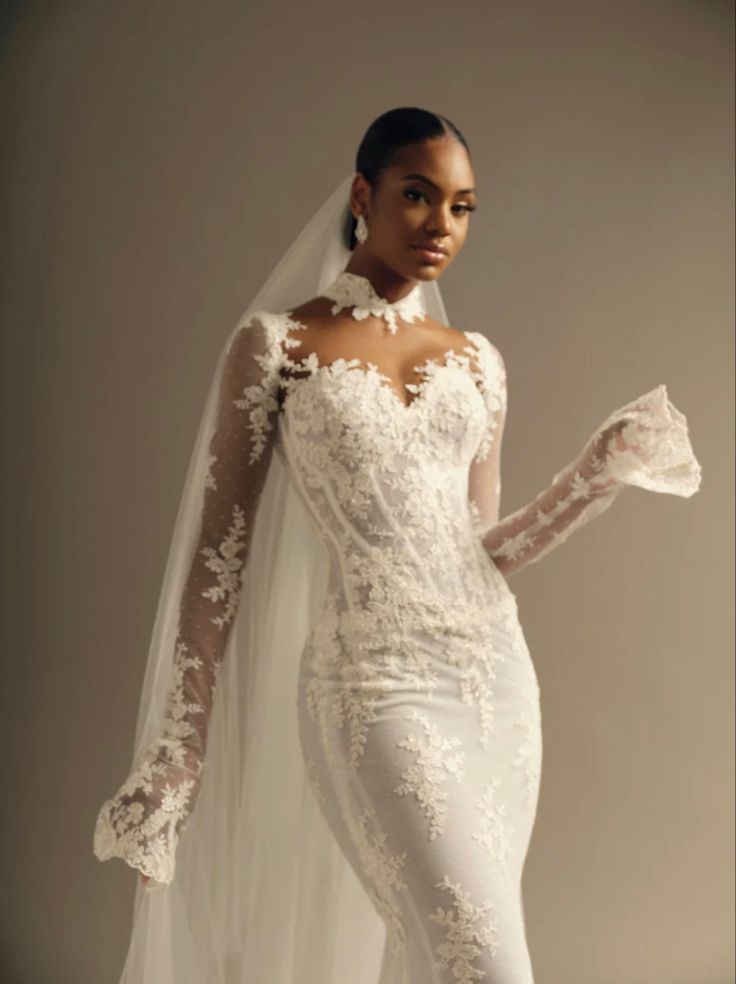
(262, 893)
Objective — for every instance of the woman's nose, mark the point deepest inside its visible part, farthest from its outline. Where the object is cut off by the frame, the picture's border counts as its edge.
(439, 224)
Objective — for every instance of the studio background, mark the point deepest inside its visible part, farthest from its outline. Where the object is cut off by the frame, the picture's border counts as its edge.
(158, 158)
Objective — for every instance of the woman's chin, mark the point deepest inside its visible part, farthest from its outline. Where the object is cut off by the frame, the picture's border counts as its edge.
(427, 271)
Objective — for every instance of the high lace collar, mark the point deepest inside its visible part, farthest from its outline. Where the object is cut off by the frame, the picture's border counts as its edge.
(353, 290)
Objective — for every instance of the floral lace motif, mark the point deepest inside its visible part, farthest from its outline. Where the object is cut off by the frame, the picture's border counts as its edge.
(382, 870)
(645, 443)
(529, 751)
(227, 565)
(496, 832)
(469, 929)
(144, 821)
(435, 762)
(349, 289)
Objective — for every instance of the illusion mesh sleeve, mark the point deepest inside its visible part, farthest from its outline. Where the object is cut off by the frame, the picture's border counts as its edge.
(644, 443)
(143, 821)
(484, 477)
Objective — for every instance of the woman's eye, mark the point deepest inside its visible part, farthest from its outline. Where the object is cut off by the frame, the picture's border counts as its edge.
(463, 208)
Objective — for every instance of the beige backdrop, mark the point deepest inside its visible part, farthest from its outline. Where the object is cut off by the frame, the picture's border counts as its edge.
(158, 158)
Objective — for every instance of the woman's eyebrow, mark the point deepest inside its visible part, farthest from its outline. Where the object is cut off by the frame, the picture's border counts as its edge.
(426, 180)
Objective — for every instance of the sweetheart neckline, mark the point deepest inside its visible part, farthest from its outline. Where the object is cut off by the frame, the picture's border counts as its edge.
(428, 369)
(345, 366)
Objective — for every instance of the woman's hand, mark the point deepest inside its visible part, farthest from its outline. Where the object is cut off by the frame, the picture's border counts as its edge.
(145, 879)
(614, 434)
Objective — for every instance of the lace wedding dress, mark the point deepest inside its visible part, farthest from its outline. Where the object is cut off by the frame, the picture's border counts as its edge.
(418, 704)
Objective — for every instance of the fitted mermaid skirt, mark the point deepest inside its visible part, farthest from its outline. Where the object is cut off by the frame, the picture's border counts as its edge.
(424, 751)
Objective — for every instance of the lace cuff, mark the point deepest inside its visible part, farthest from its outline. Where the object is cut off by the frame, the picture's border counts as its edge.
(143, 822)
(650, 446)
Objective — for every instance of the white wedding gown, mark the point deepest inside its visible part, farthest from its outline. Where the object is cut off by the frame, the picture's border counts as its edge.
(418, 704)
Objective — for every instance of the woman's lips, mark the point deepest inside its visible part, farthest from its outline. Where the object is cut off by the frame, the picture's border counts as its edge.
(430, 255)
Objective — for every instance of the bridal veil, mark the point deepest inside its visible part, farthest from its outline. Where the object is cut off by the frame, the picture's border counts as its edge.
(261, 892)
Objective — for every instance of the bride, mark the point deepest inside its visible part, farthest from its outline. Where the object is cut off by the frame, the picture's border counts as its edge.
(338, 750)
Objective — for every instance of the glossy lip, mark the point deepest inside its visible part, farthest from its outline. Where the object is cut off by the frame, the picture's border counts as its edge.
(433, 254)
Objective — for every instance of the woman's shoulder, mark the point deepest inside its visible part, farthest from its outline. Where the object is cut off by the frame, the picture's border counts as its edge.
(276, 324)
(459, 337)
(258, 337)
(313, 311)
(263, 328)
(490, 356)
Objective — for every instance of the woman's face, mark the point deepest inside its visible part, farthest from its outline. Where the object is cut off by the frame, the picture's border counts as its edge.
(424, 198)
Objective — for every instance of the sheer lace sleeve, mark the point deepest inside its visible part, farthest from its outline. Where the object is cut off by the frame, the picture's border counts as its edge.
(644, 443)
(484, 477)
(143, 821)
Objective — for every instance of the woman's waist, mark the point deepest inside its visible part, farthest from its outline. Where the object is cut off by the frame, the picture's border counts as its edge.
(406, 573)
(418, 611)
(412, 643)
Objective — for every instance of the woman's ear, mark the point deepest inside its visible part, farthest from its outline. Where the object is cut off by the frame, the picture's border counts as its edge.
(360, 196)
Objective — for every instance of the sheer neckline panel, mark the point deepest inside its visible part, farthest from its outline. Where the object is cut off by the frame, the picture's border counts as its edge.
(298, 369)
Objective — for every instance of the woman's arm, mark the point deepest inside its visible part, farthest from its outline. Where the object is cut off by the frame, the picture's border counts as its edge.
(643, 443)
(576, 494)
(143, 821)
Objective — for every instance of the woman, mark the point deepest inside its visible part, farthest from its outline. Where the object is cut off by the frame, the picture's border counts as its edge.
(417, 704)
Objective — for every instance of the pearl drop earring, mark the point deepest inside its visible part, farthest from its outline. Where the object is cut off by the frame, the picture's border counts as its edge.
(361, 230)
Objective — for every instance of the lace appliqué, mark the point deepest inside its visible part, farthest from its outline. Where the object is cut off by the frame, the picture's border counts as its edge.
(529, 751)
(383, 871)
(144, 821)
(309, 367)
(496, 832)
(645, 443)
(581, 488)
(350, 289)
(227, 565)
(261, 400)
(478, 655)
(491, 380)
(435, 763)
(469, 929)
(353, 702)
